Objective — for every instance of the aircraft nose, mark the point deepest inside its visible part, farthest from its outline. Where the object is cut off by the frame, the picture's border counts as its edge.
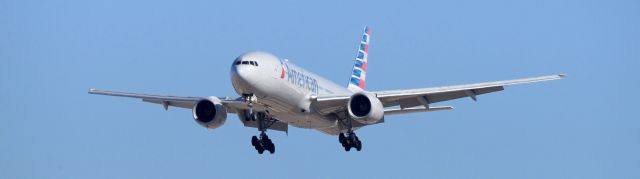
(242, 74)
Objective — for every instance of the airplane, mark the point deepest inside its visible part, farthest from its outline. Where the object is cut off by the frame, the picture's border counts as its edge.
(275, 94)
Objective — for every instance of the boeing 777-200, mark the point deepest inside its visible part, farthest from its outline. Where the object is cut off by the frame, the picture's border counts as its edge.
(274, 93)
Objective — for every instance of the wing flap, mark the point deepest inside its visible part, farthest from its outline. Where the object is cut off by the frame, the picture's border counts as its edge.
(412, 101)
(439, 97)
(180, 104)
(415, 110)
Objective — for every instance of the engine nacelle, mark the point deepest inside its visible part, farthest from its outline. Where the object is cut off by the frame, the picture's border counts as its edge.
(210, 113)
(365, 108)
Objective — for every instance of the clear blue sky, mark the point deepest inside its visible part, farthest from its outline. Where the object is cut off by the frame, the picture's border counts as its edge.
(586, 126)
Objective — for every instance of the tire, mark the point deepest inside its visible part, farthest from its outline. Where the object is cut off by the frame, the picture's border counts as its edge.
(272, 148)
(341, 138)
(358, 144)
(269, 146)
(345, 145)
(255, 141)
(259, 148)
(266, 142)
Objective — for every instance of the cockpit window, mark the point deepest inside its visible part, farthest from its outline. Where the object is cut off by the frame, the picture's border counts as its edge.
(252, 63)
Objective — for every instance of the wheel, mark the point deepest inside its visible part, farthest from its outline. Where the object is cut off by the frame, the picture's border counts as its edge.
(272, 148)
(268, 145)
(345, 145)
(351, 138)
(255, 141)
(259, 148)
(341, 138)
(347, 148)
(358, 144)
(265, 142)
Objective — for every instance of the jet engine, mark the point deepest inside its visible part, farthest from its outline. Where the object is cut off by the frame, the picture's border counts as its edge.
(365, 108)
(210, 113)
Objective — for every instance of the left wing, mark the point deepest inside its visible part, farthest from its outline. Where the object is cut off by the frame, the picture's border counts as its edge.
(231, 104)
(236, 105)
(426, 96)
(410, 98)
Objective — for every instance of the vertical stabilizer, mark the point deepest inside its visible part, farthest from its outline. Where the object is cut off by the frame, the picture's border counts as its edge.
(359, 72)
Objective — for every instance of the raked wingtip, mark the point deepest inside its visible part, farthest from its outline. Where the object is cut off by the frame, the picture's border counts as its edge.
(562, 75)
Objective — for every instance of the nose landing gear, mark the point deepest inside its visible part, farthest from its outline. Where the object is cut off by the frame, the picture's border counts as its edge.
(250, 99)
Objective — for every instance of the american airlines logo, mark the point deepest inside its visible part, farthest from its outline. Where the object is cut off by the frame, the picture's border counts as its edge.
(300, 79)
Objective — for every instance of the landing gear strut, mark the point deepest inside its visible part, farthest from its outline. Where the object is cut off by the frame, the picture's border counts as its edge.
(263, 142)
(349, 139)
(249, 99)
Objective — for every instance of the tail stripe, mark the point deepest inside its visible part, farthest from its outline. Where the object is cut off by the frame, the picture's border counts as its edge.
(358, 74)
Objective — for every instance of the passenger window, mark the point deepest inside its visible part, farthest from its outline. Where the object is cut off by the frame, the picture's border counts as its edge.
(245, 62)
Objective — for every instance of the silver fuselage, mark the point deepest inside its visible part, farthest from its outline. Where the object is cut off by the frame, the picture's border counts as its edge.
(285, 89)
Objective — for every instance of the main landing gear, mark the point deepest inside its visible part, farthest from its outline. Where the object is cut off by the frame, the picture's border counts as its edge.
(350, 140)
(260, 143)
(263, 143)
